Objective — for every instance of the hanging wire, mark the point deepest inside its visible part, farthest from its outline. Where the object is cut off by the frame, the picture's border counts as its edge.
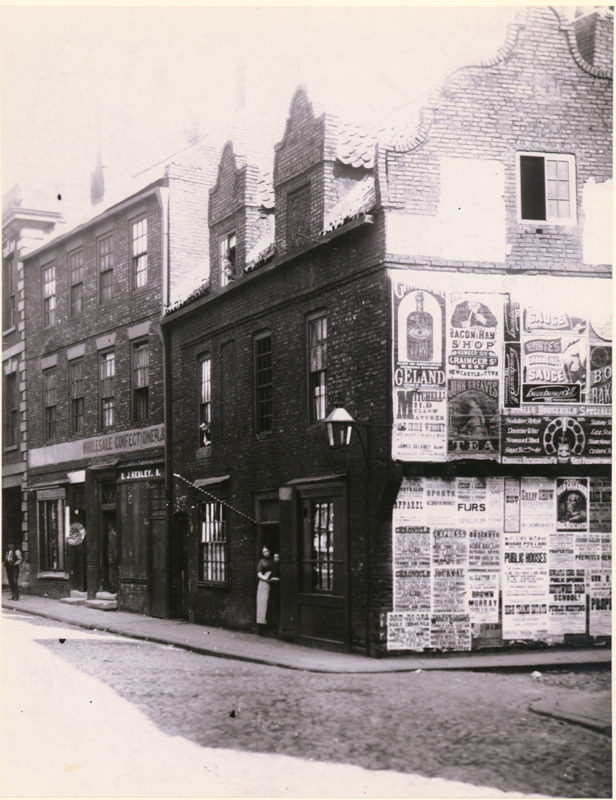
(213, 497)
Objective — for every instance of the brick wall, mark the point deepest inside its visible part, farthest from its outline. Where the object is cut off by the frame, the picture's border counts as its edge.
(536, 98)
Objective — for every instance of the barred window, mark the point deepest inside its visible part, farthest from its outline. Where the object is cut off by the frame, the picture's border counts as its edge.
(213, 544)
(263, 383)
(317, 367)
(106, 388)
(52, 549)
(105, 270)
(49, 403)
(139, 253)
(77, 394)
(49, 295)
(205, 401)
(141, 381)
(321, 551)
(75, 266)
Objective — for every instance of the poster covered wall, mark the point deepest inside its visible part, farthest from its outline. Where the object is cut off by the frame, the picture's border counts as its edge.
(530, 555)
(515, 368)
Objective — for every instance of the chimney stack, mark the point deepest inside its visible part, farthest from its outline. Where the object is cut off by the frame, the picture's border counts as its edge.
(594, 31)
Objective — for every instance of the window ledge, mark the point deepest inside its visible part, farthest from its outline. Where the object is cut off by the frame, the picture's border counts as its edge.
(54, 576)
(213, 585)
(6, 331)
(12, 448)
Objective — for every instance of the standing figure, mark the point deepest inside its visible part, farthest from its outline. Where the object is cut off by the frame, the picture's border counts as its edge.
(264, 573)
(12, 560)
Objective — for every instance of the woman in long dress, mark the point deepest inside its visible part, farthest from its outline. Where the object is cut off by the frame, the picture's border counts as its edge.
(264, 573)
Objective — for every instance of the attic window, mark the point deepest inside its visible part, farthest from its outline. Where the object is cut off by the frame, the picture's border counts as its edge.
(546, 188)
(298, 218)
(226, 255)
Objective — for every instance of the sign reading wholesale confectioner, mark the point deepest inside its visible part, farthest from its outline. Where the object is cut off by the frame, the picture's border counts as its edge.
(108, 444)
(514, 368)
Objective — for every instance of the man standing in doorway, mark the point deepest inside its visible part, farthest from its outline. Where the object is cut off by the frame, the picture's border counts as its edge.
(12, 560)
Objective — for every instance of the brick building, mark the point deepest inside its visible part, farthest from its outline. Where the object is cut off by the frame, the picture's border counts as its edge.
(448, 287)
(25, 223)
(94, 377)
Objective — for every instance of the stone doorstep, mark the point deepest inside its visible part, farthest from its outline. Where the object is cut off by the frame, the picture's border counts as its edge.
(73, 601)
(102, 605)
(106, 595)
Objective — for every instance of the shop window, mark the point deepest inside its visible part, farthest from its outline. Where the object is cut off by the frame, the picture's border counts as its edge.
(105, 270)
(107, 389)
(226, 257)
(298, 218)
(49, 403)
(139, 253)
(10, 401)
(77, 394)
(75, 268)
(9, 293)
(263, 383)
(317, 368)
(546, 184)
(205, 401)
(213, 543)
(49, 295)
(141, 381)
(318, 547)
(52, 550)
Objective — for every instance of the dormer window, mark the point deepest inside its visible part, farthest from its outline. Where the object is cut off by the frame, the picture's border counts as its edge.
(298, 218)
(226, 257)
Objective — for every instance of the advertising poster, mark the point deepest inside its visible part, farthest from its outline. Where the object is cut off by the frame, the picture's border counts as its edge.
(536, 439)
(513, 502)
(474, 335)
(512, 376)
(408, 631)
(474, 422)
(600, 505)
(450, 632)
(600, 602)
(600, 375)
(440, 501)
(567, 609)
(419, 391)
(537, 506)
(484, 549)
(554, 355)
(572, 504)
(483, 597)
(587, 550)
(412, 568)
(525, 583)
(449, 547)
(449, 590)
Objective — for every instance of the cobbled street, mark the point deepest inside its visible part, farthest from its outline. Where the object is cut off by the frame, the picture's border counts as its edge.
(467, 726)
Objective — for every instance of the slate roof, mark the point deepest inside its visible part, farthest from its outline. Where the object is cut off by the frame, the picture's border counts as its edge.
(262, 251)
(360, 199)
(356, 144)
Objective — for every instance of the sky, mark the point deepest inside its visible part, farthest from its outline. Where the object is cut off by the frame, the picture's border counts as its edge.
(137, 82)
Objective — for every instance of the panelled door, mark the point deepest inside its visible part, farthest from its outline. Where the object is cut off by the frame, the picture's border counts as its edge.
(322, 596)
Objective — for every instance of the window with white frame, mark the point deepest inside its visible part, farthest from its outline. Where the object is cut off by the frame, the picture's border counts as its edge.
(10, 408)
(213, 543)
(105, 269)
(9, 293)
(205, 401)
(49, 403)
(106, 388)
(52, 548)
(76, 385)
(49, 295)
(263, 389)
(317, 367)
(546, 188)
(139, 253)
(75, 268)
(141, 381)
(226, 257)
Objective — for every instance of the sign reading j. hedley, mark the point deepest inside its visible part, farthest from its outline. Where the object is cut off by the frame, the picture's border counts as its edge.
(108, 444)
(141, 473)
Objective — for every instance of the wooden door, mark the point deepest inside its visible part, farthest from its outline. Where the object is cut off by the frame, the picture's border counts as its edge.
(322, 597)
